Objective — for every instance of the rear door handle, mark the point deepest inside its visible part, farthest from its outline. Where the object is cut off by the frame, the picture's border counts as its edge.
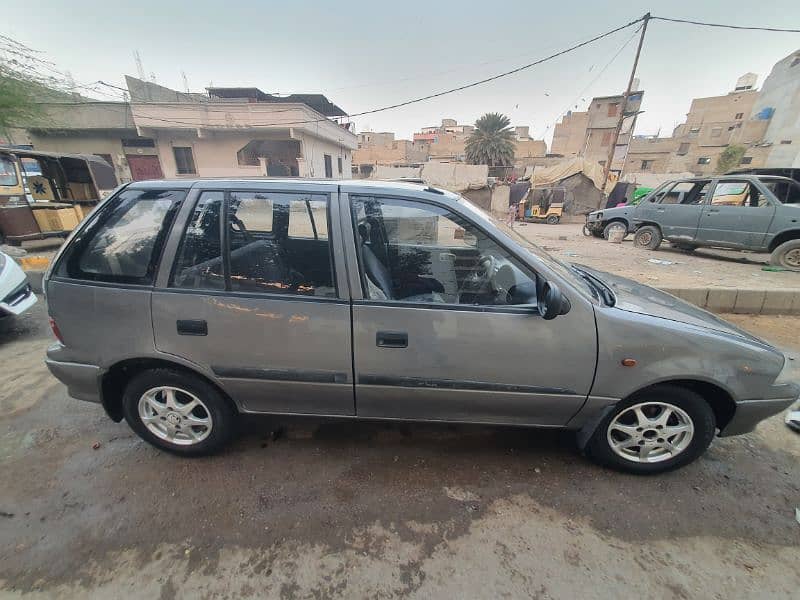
(391, 339)
(712, 211)
(192, 327)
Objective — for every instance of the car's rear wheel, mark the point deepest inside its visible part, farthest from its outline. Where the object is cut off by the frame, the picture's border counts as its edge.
(615, 226)
(553, 220)
(656, 430)
(787, 255)
(647, 237)
(178, 412)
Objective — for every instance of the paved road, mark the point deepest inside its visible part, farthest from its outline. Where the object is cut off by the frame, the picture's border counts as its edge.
(300, 509)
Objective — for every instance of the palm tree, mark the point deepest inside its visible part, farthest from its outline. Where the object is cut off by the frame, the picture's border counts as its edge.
(492, 142)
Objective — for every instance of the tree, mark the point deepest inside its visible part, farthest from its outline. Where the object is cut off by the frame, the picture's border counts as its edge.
(730, 158)
(492, 142)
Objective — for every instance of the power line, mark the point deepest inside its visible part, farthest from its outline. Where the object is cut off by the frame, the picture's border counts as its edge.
(726, 26)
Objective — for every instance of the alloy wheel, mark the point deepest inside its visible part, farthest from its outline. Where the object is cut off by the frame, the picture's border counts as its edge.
(175, 415)
(650, 432)
(792, 258)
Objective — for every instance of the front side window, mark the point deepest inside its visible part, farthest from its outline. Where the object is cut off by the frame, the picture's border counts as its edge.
(124, 242)
(686, 192)
(415, 252)
(277, 243)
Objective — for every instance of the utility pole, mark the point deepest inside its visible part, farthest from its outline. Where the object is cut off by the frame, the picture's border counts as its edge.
(623, 107)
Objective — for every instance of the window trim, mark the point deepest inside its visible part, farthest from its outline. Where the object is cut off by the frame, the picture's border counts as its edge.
(166, 285)
(525, 266)
(175, 158)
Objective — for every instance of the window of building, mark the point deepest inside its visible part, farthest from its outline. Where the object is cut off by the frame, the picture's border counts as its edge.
(184, 160)
(786, 142)
(739, 116)
(277, 243)
(716, 132)
(683, 149)
(107, 158)
(613, 108)
(419, 253)
(746, 160)
(704, 160)
(340, 165)
(606, 140)
(124, 242)
(646, 165)
(328, 166)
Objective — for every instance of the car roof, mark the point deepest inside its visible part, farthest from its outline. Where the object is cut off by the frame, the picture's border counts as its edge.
(346, 185)
(741, 177)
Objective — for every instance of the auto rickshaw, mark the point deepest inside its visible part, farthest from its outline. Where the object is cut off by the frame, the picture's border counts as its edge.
(542, 204)
(46, 194)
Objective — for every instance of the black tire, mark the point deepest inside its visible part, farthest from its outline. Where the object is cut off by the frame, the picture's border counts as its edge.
(553, 220)
(599, 450)
(223, 415)
(787, 255)
(648, 237)
(614, 225)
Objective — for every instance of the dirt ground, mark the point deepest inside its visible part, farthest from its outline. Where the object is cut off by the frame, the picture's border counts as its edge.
(702, 268)
(305, 509)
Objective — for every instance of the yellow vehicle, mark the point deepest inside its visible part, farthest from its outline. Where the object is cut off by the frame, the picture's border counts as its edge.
(46, 194)
(543, 204)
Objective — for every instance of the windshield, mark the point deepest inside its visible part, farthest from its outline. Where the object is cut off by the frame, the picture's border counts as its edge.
(565, 270)
(787, 191)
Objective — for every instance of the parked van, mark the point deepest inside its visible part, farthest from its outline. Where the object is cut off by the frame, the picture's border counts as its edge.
(179, 304)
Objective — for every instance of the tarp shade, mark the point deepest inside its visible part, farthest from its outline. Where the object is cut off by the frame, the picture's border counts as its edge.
(456, 177)
(549, 176)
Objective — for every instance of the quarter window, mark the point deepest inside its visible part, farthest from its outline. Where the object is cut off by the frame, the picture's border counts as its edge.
(8, 172)
(124, 241)
(420, 253)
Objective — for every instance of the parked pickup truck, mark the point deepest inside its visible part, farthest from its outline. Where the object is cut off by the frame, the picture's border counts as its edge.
(748, 212)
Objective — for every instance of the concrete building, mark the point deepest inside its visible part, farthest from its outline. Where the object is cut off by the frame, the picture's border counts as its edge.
(230, 132)
(712, 124)
(780, 101)
(245, 132)
(380, 148)
(590, 134)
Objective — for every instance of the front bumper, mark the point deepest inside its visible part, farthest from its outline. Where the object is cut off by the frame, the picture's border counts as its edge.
(750, 413)
(82, 381)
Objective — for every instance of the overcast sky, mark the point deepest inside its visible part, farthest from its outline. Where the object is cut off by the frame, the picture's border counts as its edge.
(364, 55)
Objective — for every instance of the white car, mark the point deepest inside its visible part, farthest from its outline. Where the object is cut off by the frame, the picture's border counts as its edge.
(16, 295)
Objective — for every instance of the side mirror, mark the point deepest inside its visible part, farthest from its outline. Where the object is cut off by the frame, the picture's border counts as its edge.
(551, 302)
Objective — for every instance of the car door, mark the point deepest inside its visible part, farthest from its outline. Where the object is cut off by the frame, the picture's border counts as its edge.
(439, 332)
(738, 215)
(677, 211)
(253, 297)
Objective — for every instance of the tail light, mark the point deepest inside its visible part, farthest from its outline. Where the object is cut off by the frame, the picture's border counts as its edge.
(56, 330)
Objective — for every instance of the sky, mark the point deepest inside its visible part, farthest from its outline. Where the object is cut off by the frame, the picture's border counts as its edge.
(364, 55)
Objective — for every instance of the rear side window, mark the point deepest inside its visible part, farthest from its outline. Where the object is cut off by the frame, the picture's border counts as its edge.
(124, 242)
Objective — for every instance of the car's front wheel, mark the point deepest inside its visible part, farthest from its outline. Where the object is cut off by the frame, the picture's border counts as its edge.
(178, 412)
(656, 430)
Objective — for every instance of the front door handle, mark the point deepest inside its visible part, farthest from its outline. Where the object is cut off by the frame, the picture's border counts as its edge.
(391, 339)
(192, 327)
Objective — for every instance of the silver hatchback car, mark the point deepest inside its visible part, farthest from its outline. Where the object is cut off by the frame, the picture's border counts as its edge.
(178, 305)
